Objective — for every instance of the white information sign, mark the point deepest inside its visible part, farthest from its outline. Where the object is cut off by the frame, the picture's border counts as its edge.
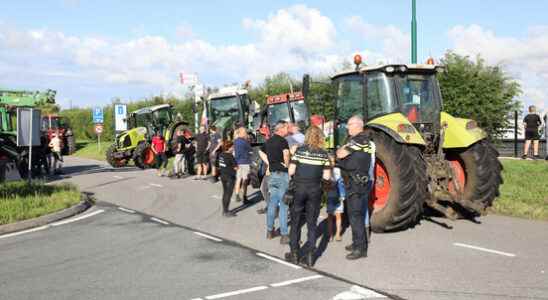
(120, 116)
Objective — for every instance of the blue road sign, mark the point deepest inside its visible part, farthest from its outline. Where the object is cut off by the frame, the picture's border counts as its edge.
(98, 115)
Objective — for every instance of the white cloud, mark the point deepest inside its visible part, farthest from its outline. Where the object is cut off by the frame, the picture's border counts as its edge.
(525, 58)
(395, 43)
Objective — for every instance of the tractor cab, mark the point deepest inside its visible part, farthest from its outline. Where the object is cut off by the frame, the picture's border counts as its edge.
(289, 107)
(152, 118)
(228, 108)
(412, 91)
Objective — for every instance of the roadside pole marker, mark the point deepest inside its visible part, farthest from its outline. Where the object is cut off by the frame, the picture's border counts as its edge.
(207, 236)
(159, 221)
(126, 210)
(238, 292)
(288, 282)
(278, 260)
(78, 218)
(484, 249)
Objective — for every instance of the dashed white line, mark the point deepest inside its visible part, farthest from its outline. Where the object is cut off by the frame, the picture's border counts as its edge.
(484, 249)
(238, 292)
(278, 260)
(216, 197)
(159, 221)
(126, 210)
(156, 185)
(78, 218)
(197, 299)
(118, 177)
(23, 232)
(288, 282)
(208, 236)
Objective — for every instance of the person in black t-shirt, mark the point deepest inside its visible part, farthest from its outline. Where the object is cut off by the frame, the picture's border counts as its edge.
(202, 147)
(227, 168)
(275, 154)
(309, 165)
(531, 123)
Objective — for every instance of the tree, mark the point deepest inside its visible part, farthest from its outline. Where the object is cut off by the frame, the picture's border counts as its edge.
(472, 89)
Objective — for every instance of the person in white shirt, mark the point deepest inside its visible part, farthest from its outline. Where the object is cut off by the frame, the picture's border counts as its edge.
(55, 145)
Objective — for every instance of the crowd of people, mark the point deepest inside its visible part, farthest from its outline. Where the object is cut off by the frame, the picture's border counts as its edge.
(297, 173)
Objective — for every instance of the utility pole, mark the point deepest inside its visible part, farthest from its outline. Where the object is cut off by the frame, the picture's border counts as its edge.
(414, 33)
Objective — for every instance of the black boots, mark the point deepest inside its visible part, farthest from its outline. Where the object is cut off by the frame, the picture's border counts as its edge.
(357, 253)
(292, 257)
(309, 259)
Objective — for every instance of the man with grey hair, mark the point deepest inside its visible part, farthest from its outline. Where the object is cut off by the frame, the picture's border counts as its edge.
(275, 155)
(355, 159)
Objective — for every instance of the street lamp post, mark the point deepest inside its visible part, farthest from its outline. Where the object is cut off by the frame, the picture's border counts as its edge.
(414, 33)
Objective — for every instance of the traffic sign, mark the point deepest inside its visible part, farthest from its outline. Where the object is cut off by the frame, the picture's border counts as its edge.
(98, 115)
(98, 129)
(120, 116)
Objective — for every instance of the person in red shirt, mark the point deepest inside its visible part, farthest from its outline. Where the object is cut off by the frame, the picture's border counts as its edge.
(159, 149)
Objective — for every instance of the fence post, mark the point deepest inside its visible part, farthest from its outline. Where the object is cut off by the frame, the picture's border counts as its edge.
(516, 133)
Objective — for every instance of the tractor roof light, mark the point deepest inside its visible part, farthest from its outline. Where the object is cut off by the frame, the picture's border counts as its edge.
(430, 61)
(403, 69)
(389, 69)
(357, 61)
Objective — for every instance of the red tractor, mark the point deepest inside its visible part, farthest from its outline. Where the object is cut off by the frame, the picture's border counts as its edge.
(52, 124)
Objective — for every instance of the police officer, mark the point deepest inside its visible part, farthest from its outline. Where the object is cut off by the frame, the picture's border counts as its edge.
(309, 165)
(354, 159)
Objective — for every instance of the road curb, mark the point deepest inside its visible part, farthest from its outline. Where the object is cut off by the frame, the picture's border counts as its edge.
(85, 203)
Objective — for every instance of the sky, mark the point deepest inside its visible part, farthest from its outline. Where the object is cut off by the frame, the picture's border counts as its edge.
(94, 51)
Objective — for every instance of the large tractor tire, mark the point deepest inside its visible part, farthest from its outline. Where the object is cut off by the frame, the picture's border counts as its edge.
(478, 173)
(143, 157)
(114, 162)
(401, 185)
(71, 145)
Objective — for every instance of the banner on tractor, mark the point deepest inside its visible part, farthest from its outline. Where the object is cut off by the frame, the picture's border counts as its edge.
(120, 117)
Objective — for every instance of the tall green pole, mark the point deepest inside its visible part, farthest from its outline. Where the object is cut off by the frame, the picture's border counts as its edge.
(414, 34)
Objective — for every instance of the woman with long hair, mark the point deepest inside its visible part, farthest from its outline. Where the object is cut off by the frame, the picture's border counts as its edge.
(309, 165)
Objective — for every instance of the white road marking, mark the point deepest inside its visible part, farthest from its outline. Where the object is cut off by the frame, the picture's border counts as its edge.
(484, 249)
(238, 292)
(278, 260)
(207, 236)
(288, 282)
(23, 232)
(159, 221)
(156, 185)
(126, 210)
(197, 299)
(216, 197)
(78, 218)
(118, 177)
(357, 292)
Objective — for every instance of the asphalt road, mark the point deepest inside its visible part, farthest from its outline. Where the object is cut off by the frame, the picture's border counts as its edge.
(115, 253)
(495, 258)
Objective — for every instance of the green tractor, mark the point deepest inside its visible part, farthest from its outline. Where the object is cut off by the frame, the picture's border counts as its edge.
(424, 156)
(230, 108)
(10, 153)
(135, 143)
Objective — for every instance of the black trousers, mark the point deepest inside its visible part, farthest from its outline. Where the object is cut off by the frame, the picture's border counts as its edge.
(228, 188)
(161, 160)
(308, 200)
(355, 206)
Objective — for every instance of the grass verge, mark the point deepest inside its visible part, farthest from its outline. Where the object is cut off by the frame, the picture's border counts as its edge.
(524, 193)
(20, 201)
(90, 149)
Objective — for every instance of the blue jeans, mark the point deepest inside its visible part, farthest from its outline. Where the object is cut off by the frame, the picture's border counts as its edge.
(277, 186)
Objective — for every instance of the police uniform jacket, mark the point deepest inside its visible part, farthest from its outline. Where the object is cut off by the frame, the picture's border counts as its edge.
(357, 165)
(310, 162)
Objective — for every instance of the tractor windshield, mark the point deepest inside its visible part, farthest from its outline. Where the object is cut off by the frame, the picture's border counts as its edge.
(420, 97)
(349, 96)
(162, 117)
(278, 112)
(300, 113)
(225, 107)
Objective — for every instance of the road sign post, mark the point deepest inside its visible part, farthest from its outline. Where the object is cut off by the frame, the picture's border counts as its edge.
(99, 131)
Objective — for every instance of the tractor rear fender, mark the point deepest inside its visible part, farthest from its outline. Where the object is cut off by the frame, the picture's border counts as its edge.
(460, 133)
(398, 127)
